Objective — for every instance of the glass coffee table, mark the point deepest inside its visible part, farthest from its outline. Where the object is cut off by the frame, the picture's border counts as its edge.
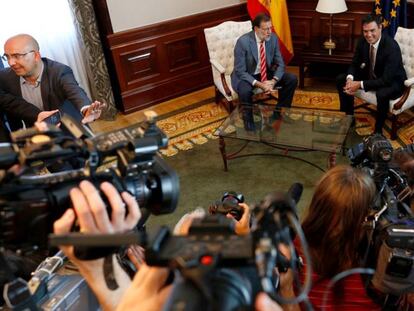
(289, 129)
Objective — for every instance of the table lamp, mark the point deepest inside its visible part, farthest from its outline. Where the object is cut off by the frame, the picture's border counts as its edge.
(331, 7)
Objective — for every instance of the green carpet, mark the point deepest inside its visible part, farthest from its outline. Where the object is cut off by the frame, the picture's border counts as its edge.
(203, 180)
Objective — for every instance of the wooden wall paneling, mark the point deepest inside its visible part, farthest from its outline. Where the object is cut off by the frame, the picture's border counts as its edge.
(176, 63)
(301, 30)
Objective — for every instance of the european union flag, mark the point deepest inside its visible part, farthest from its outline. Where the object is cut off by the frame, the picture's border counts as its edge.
(394, 13)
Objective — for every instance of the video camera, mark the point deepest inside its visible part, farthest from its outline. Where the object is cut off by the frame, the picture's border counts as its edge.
(30, 200)
(390, 225)
(220, 270)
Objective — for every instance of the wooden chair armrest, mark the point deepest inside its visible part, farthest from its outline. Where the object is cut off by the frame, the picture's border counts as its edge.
(400, 103)
(224, 82)
(409, 82)
(216, 65)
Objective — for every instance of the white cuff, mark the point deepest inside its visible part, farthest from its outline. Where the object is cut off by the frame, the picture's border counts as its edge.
(350, 77)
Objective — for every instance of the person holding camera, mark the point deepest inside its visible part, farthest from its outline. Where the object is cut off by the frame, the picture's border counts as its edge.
(148, 289)
(333, 227)
(90, 211)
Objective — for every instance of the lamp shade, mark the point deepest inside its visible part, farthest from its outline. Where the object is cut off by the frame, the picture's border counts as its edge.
(331, 6)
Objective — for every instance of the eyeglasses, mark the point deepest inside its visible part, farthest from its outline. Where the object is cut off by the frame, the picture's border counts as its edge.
(268, 29)
(16, 56)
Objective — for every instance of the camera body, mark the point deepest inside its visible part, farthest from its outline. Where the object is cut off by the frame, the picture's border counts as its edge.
(127, 158)
(229, 204)
(390, 224)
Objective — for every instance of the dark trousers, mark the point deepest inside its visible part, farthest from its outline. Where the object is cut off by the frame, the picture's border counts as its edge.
(288, 85)
(384, 95)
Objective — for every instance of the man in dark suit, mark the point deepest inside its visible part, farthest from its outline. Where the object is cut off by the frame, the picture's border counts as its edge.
(376, 66)
(253, 69)
(44, 83)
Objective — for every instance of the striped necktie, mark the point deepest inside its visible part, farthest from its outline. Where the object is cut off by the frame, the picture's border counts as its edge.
(263, 71)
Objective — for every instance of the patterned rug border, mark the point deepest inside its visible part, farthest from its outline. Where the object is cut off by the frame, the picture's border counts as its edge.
(186, 108)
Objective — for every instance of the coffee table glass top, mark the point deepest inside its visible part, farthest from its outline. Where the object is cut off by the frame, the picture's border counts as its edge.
(312, 129)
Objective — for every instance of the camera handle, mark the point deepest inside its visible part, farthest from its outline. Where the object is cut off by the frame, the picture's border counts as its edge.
(265, 254)
(22, 295)
(16, 292)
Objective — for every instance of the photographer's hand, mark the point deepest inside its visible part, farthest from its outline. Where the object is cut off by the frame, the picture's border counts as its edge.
(136, 255)
(243, 225)
(93, 218)
(265, 303)
(147, 291)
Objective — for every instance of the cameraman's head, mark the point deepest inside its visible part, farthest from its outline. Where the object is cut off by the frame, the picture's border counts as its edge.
(339, 205)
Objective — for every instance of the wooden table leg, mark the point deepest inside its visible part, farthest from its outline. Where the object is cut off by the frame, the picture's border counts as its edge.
(331, 160)
(222, 146)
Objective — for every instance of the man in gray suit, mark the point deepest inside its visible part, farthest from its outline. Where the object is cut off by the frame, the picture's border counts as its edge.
(249, 73)
(47, 84)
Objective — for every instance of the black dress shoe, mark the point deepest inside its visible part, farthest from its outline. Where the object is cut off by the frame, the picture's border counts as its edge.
(249, 125)
(248, 120)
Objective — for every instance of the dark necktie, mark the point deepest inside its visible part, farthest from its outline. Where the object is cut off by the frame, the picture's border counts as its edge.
(371, 62)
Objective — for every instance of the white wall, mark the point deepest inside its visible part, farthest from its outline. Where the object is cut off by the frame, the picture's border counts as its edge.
(128, 14)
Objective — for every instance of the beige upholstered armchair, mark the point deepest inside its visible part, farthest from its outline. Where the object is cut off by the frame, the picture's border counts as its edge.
(405, 38)
(221, 40)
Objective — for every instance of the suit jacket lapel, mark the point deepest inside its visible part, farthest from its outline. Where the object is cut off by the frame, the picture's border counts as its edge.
(381, 48)
(268, 46)
(44, 86)
(253, 46)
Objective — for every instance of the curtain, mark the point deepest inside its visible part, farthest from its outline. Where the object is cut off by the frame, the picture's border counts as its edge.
(87, 28)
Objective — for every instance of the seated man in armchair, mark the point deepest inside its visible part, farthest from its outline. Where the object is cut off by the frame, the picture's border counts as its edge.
(258, 63)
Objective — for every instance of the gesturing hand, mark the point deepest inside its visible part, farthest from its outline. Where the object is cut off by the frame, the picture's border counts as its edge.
(93, 112)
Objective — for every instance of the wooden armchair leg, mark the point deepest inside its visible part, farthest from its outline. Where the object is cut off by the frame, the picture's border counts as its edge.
(394, 124)
(217, 96)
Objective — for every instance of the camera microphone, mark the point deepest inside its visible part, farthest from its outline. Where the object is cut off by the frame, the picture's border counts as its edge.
(295, 191)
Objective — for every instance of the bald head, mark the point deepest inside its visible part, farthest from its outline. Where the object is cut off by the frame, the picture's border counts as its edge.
(23, 40)
(22, 53)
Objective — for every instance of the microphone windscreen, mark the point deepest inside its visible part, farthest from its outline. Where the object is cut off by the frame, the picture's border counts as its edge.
(295, 191)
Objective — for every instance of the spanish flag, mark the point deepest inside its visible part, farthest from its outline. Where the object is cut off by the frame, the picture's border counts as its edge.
(278, 12)
(394, 14)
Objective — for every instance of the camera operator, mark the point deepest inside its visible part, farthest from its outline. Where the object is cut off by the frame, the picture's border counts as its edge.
(91, 214)
(334, 231)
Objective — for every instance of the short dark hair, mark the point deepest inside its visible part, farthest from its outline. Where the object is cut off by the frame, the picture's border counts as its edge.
(260, 18)
(372, 18)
